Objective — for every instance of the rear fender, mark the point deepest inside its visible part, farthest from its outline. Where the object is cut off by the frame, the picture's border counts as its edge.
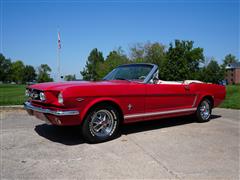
(202, 96)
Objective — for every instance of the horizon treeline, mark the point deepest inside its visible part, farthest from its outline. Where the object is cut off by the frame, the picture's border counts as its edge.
(178, 61)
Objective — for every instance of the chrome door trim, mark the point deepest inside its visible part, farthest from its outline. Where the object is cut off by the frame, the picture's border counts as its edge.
(129, 116)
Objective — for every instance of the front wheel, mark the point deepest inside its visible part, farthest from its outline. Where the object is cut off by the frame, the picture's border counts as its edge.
(101, 124)
(204, 111)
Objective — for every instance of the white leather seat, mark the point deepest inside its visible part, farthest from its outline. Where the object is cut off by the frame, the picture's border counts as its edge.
(187, 82)
(191, 81)
(167, 82)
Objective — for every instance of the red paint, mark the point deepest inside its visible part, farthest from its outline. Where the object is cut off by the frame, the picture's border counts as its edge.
(144, 98)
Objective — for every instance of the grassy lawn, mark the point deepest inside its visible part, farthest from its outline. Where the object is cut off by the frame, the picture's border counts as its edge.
(15, 95)
(12, 94)
(232, 98)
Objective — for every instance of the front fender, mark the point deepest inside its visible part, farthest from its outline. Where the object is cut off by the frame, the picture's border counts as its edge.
(93, 102)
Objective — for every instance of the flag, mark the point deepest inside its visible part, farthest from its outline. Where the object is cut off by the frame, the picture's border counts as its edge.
(59, 41)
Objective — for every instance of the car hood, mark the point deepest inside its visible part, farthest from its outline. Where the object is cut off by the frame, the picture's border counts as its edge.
(59, 86)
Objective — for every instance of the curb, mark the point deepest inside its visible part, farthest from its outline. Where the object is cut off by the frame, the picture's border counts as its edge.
(12, 107)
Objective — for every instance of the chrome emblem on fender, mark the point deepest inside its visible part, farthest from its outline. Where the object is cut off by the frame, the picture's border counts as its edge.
(129, 107)
(79, 99)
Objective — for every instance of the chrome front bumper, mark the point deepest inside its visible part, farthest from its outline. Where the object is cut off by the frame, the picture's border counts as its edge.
(29, 106)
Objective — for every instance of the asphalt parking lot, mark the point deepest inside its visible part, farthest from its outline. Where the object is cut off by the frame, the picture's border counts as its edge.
(175, 148)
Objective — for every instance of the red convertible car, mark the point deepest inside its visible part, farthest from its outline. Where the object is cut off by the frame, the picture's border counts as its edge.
(127, 94)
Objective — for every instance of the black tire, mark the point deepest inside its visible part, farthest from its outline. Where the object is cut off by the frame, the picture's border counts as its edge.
(94, 123)
(204, 111)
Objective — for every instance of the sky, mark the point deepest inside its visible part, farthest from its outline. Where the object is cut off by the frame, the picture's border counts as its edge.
(29, 28)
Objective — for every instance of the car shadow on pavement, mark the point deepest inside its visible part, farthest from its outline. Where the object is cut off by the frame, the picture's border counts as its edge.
(70, 135)
(159, 124)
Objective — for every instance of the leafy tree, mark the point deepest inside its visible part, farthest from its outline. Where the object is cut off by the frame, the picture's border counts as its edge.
(91, 70)
(182, 61)
(137, 53)
(212, 73)
(155, 54)
(114, 59)
(148, 53)
(29, 74)
(5, 69)
(229, 59)
(17, 71)
(70, 77)
(44, 73)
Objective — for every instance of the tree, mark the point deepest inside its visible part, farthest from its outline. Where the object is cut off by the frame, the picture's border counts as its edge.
(155, 53)
(91, 70)
(212, 73)
(5, 69)
(44, 73)
(182, 61)
(137, 53)
(229, 59)
(114, 59)
(148, 53)
(29, 74)
(17, 71)
(70, 77)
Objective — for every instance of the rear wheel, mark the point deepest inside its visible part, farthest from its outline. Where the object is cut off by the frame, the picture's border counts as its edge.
(204, 111)
(101, 124)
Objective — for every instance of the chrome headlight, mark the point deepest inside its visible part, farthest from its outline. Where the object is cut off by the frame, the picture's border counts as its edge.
(60, 98)
(42, 96)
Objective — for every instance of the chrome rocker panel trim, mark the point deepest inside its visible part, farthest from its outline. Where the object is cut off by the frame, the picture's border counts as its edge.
(129, 116)
(29, 106)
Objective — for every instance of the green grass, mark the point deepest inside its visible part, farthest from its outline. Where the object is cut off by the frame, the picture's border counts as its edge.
(15, 95)
(232, 97)
(12, 94)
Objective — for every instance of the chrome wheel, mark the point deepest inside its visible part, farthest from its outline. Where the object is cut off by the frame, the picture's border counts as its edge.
(102, 123)
(205, 110)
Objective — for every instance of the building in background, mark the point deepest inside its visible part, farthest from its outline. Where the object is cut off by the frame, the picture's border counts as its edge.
(232, 75)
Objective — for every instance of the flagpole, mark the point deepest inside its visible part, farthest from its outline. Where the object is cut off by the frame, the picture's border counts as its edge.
(58, 58)
(58, 67)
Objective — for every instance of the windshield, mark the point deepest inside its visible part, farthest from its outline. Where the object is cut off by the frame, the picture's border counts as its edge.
(131, 72)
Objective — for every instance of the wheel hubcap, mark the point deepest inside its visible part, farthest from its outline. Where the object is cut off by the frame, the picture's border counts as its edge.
(205, 111)
(102, 123)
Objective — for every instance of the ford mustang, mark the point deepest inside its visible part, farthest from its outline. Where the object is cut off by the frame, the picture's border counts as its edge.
(129, 93)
